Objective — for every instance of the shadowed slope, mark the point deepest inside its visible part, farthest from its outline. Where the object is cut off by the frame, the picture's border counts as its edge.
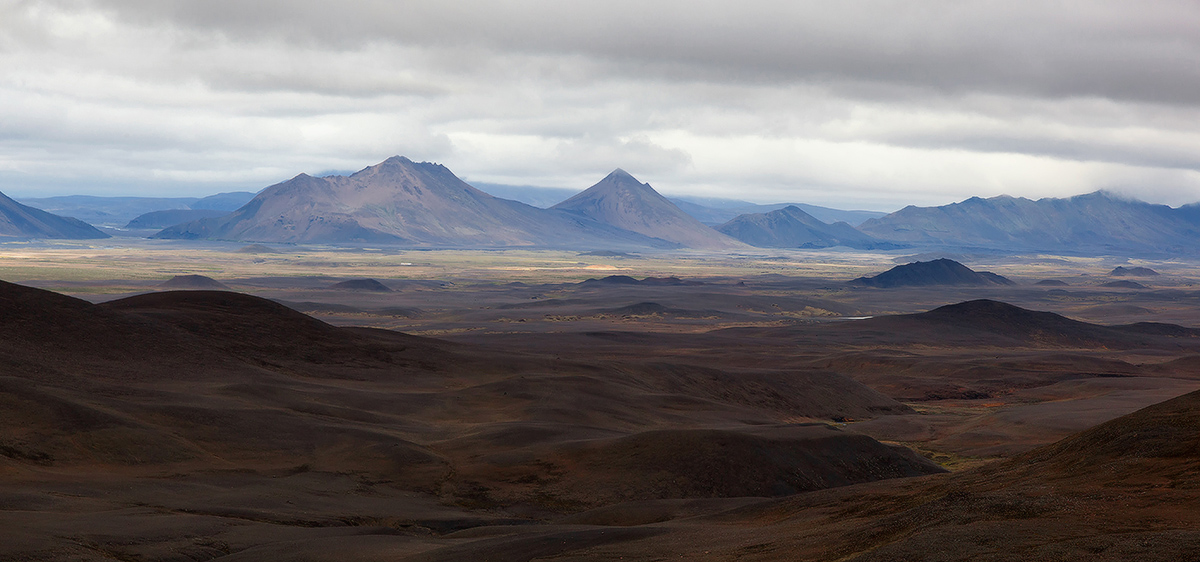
(931, 273)
(22, 221)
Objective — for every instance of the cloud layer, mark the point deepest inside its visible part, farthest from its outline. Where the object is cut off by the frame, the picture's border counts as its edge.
(869, 104)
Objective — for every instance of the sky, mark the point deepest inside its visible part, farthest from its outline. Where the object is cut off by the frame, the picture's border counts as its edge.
(852, 104)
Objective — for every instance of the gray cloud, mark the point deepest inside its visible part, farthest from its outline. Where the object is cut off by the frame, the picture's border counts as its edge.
(862, 102)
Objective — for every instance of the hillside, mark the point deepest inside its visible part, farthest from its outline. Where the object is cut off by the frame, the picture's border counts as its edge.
(791, 227)
(22, 221)
(406, 203)
(1093, 223)
(931, 273)
(621, 201)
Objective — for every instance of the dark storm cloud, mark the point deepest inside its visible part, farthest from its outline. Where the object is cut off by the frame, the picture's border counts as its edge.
(1121, 50)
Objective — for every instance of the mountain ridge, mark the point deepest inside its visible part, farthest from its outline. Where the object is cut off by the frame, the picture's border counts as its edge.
(399, 201)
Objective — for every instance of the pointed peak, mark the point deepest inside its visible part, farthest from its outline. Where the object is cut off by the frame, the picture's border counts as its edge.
(396, 160)
(620, 174)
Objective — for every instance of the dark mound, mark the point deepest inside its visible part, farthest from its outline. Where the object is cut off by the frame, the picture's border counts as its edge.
(932, 273)
(361, 285)
(1052, 283)
(987, 322)
(711, 463)
(256, 249)
(1121, 271)
(193, 282)
(1124, 285)
(162, 219)
(612, 280)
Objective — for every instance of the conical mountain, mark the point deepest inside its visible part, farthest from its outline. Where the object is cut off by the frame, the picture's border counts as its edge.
(791, 227)
(622, 201)
(401, 202)
(22, 221)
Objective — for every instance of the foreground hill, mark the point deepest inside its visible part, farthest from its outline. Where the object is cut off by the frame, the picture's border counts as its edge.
(620, 200)
(1092, 223)
(22, 221)
(402, 202)
(791, 227)
(932, 273)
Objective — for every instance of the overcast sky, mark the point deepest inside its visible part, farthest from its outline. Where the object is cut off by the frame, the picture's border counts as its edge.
(849, 104)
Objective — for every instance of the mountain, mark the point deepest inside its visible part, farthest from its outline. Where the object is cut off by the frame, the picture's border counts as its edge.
(171, 217)
(1122, 271)
(714, 210)
(791, 227)
(1094, 223)
(622, 201)
(931, 273)
(21, 221)
(402, 202)
(116, 212)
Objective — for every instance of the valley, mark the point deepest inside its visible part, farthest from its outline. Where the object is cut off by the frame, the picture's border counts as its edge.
(531, 404)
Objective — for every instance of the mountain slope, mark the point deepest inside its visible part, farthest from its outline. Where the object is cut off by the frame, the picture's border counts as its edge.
(401, 202)
(620, 200)
(791, 227)
(22, 221)
(1096, 222)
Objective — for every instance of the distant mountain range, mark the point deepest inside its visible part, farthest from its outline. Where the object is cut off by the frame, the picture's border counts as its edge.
(116, 212)
(791, 227)
(715, 211)
(1096, 223)
(423, 204)
(711, 211)
(403, 202)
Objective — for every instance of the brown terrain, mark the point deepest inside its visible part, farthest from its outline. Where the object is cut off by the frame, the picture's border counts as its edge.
(635, 416)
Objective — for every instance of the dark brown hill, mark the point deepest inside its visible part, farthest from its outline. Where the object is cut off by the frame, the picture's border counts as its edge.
(22, 221)
(622, 201)
(402, 202)
(185, 381)
(361, 285)
(931, 273)
(991, 323)
(790, 227)
(1122, 271)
